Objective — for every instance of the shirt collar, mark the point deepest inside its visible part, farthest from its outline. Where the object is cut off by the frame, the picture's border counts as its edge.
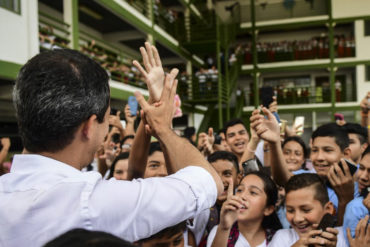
(29, 163)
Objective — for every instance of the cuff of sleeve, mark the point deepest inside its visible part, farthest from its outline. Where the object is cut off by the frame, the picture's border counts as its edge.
(201, 183)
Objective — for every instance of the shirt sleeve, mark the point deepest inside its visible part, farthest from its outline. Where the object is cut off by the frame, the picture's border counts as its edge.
(137, 209)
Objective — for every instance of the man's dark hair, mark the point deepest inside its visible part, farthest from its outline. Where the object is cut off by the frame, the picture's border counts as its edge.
(224, 155)
(154, 147)
(306, 180)
(121, 156)
(355, 128)
(232, 123)
(85, 238)
(333, 130)
(55, 92)
(167, 232)
(126, 138)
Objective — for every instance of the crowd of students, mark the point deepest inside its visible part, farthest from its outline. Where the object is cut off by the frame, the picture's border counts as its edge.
(237, 188)
(317, 47)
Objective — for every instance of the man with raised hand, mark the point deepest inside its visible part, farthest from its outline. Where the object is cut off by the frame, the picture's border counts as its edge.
(62, 103)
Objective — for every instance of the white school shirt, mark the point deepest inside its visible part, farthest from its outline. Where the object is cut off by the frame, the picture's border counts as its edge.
(42, 198)
(241, 242)
(287, 237)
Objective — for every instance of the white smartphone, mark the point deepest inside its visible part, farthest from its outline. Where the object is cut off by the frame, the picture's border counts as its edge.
(299, 121)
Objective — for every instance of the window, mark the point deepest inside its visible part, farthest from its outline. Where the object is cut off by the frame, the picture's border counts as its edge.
(367, 71)
(367, 27)
(12, 5)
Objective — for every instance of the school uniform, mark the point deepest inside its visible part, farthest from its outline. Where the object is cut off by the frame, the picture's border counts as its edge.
(287, 237)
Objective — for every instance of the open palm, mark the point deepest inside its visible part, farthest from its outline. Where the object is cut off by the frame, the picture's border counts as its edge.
(153, 72)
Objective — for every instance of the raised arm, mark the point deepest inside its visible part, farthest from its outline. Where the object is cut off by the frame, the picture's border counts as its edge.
(154, 78)
(5, 142)
(268, 129)
(180, 152)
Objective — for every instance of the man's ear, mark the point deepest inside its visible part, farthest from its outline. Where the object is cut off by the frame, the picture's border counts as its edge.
(347, 152)
(329, 208)
(364, 146)
(88, 127)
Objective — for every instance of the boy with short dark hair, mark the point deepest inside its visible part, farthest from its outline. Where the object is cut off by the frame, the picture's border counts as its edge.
(226, 165)
(357, 140)
(306, 203)
(171, 236)
(236, 136)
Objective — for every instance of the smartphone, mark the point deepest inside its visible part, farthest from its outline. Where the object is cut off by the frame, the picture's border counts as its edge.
(266, 95)
(113, 111)
(132, 102)
(250, 166)
(116, 138)
(327, 220)
(352, 168)
(299, 121)
(365, 192)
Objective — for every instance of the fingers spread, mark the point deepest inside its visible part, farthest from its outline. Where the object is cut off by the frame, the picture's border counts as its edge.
(140, 68)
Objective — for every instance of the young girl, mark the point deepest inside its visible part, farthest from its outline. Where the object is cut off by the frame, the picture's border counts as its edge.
(295, 153)
(248, 218)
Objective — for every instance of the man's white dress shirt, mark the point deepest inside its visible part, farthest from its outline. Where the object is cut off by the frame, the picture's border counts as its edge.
(42, 198)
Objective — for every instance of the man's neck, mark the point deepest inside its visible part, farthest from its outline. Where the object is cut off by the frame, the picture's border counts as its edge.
(64, 156)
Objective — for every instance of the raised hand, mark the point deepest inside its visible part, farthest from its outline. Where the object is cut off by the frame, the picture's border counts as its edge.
(362, 234)
(153, 72)
(267, 129)
(159, 116)
(5, 142)
(318, 238)
(230, 208)
(129, 118)
(115, 120)
(342, 182)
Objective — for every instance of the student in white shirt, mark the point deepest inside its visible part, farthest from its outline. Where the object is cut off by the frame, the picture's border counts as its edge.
(247, 218)
(306, 202)
(62, 103)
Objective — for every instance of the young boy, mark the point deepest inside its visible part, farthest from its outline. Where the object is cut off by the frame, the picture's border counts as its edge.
(156, 165)
(358, 208)
(226, 165)
(357, 140)
(236, 137)
(170, 237)
(329, 145)
(306, 203)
